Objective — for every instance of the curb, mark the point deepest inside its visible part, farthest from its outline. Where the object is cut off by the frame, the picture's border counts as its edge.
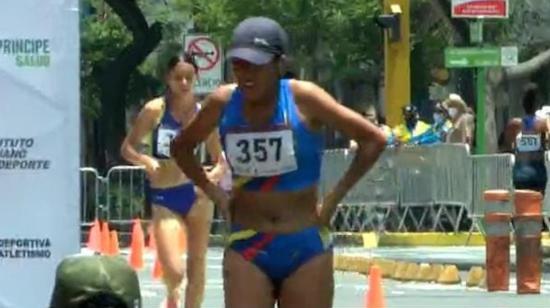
(412, 270)
(445, 274)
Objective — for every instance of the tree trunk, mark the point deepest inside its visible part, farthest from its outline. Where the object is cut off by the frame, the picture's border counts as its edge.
(113, 78)
(492, 89)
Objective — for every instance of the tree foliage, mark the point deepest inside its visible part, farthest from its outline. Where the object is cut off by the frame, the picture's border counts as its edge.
(331, 39)
(334, 42)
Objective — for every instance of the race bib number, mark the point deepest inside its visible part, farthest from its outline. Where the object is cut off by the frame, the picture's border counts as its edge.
(165, 136)
(261, 153)
(529, 143)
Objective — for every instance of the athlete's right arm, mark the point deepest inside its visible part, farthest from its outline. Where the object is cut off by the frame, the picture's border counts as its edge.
(144, 123)
(511, 130)
(197, 131)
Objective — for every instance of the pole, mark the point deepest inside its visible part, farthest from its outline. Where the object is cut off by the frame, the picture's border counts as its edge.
(481, 74)
(397, 71)
(476, 37)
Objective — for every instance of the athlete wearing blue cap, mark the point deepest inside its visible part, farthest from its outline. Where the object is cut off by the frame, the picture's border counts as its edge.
(280, 248)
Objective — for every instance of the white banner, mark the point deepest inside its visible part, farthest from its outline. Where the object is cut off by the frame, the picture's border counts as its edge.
(209, 57)
(39, 146)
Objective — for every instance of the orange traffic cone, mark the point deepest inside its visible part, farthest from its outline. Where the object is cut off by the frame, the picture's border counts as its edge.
(152, 244)
(94, 237)
(157, 269)
(114, 249)
(375, 294)
(136, 246)
(105, 238)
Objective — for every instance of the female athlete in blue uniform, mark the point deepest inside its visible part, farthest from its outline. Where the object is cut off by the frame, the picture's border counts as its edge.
(527, 138)
(175, 201)
(280, 247)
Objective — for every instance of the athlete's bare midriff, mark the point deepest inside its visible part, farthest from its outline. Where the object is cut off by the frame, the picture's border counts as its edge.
(169, 175)
(278, 212)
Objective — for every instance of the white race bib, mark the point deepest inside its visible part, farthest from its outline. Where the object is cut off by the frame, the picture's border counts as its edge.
(261, 153)
(528, 142)
(165, 136)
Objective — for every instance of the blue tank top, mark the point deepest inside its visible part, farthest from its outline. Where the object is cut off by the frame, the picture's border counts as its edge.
(528, 140)
(528, 123)
(166, 130)
(283, 156)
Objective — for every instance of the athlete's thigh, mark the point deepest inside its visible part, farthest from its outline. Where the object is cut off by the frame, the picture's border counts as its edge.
(312, 285)
(198, 222)
(167, 225)
(245, 285)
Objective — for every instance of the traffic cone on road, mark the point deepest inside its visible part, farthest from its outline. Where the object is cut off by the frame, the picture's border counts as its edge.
(114, 249)
(375, 293)
(136, 246)
(105, 238)
(94, 237)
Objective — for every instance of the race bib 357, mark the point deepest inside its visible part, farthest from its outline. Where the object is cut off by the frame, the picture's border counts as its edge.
(261, 154)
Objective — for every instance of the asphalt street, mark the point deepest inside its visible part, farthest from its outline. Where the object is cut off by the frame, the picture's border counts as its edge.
(350, 288)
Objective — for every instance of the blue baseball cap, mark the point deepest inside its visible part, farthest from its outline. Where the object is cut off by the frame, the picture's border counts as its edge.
(258, 40)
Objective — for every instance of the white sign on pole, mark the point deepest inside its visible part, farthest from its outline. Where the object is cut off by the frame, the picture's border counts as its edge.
(209, 58)
(39, 146)
(509, 55)
(479, 9)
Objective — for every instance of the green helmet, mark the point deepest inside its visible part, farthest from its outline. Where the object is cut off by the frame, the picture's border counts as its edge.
(95, 281)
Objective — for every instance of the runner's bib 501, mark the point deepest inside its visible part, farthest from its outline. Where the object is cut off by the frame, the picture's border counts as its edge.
(261, 154)
(528, 142)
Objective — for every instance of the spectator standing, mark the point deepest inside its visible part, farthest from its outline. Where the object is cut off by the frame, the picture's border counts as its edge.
(460, 132)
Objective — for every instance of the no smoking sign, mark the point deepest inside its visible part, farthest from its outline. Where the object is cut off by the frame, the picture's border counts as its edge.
(208, 56)
(205, 51)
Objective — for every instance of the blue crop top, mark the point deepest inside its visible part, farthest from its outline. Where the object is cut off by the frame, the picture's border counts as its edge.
(529, 140)
(167, 128)
(283, 156)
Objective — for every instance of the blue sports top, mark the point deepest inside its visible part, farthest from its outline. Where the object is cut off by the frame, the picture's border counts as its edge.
(283, 156)
(157, 143)
(528, 140)
(528, 123)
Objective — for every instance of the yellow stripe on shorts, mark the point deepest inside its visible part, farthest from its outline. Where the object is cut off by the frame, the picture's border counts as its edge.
(240, 235)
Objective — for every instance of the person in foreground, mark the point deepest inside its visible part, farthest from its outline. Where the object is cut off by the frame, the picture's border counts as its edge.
(176, 202)
(280, 249)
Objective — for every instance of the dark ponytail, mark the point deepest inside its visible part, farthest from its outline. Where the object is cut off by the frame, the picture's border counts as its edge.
(190, 59)
(186, 58)
(530, 98)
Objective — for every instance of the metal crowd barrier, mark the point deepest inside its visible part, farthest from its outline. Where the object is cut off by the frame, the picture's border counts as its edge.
(408, 189)
(414, 185)
(125, 193)
(416, 181)
(490, 172)
(372, 194)
(90, 191)
(435, 185)
(117, 197)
